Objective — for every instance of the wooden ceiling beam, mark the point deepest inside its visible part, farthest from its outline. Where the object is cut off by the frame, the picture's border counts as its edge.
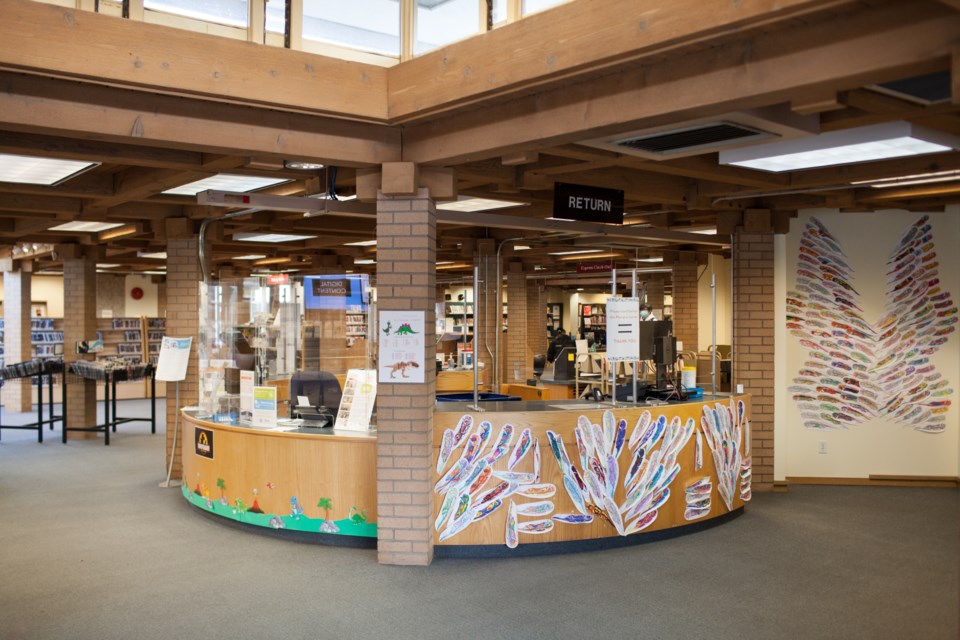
(139, 183)
(55, 107)
(96, 151)
(882, 44)
(31, 204)
(44, 39)
(574, 39)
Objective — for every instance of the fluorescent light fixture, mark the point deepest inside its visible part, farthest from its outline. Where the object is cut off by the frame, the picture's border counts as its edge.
(712, 231)
(250, 256)
(445, 262)
(469, 204)
(79, 226)
(225, 182)
(153, 255)
(591, 256)
(120, 232)
(362, 243)
(154, 272)
(521, 247)
(862, 144)
(453, 265)
(648, 259)
(270, 237)
(577, 252)
(276, 260)
(104, 265)
(365, 261)
(917, 178)
(33, 170)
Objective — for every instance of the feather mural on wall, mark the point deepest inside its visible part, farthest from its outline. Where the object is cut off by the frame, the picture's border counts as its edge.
(857, 370)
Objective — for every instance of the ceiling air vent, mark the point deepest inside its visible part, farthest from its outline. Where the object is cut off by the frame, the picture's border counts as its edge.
(709, 134)
(706, 136)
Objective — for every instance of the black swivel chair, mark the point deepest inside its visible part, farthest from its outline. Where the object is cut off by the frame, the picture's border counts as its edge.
(539, 364)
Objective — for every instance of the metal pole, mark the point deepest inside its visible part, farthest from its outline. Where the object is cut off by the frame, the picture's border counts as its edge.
(636, 363)
(713, 356)
(476, 339)
(612, 365)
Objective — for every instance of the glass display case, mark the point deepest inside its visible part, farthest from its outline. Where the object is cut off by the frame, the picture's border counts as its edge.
(274, 327)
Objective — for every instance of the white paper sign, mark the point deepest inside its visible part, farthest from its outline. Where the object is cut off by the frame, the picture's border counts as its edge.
(401, 346)
(246, 396)
(356, 404)
(174, 356)
(623, 329)
(264, 407)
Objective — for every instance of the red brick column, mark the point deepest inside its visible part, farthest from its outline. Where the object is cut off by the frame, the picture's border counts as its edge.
(685, 307)
(753, 348)
(183, 321)
(80, 323)
(514, 342)
(406, 280)
(654, 295)
(17, 394)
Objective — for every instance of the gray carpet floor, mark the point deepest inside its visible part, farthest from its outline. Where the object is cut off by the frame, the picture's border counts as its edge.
(91, 547)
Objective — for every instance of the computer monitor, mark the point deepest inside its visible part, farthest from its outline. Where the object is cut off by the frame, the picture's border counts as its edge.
(321, 388)
(649, 332)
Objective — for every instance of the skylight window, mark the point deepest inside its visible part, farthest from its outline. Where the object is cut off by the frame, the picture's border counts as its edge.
(81, 226)
(466, 203)
(270, 237)
(32, 170)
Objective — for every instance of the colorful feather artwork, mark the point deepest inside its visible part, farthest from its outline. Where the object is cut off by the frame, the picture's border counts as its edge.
(573, 518)
(639, 429)
(446, 448)
(609, 432)
(512, 540)
(462, 429)
(536, 460)
(620, 437)
(450, 476)
(642, 523)
(865, 369)
(698, 453)
(518, 477)
(535, 526)
(520, 449)
(537, 490)
(483, 432)
(724, 437)
(448, 501)
(540, 508)
(484, 510)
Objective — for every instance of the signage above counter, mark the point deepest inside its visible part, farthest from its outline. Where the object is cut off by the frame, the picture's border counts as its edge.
(587, 204)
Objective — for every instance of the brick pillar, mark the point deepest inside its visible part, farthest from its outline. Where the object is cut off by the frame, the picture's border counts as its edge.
(17, 394)
(111, 294)
(753, 352)
(80, 323)
(406, 280)
(487, 308)
(685, 311)
(537, 342)
(183, 321)
(655, 296)
(162, 297)
(513, 344)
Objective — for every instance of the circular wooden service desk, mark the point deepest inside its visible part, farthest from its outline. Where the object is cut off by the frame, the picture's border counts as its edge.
(517, 511)
(318, 487)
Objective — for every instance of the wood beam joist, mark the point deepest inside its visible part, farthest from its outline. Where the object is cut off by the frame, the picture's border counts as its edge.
(81, 111)
(140, 183)
(882, 43)
(96, 151)
(584, 39)
(90, 185)
(30, 204)
(638, 186)
(44, 39)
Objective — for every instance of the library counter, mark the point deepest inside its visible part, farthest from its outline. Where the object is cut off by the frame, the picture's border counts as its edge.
(308, 484)
(554, 476)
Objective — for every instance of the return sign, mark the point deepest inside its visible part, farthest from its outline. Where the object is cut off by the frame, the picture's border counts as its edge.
(588, 204)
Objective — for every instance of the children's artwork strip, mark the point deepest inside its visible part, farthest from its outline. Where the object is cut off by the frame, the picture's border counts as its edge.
(856, 369)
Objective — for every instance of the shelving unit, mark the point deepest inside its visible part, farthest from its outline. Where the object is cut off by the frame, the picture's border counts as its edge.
(46, 337)
(593, 322)
(554, 318)
(460, 315)
(133, 340)
(154, 330)
(356, 324)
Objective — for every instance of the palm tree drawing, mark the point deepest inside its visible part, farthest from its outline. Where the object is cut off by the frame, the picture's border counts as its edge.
(326, 504)
(223, 487)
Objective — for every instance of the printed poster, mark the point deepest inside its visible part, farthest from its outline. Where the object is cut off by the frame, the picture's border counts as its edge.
(356, 404)
(174, 356)
(402, 347)
(246, 396)
(623, 329)
(264, 407)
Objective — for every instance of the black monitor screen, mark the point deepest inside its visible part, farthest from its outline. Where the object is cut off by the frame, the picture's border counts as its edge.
(649, 331)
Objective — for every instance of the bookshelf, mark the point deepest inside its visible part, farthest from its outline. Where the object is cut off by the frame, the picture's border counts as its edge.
(593, 322)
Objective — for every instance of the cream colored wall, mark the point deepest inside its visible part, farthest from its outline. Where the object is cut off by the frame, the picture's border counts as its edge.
(145, 306)
(879, 446)
(49, 289)
(719, 267)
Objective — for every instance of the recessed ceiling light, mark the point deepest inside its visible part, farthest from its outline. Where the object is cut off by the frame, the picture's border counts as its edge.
(445, 262)
(466, 203)
(154, 272)
(362, 243)
(270, 237)
(33, 170)
(365, 261)
(297, 165)
(225, 182)
(861, 144)
(649, 259)
(521, 247)
(104, 265)
(79, 226)
(250, 256)
(576, 252)
(707, 232)
(154, 255)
